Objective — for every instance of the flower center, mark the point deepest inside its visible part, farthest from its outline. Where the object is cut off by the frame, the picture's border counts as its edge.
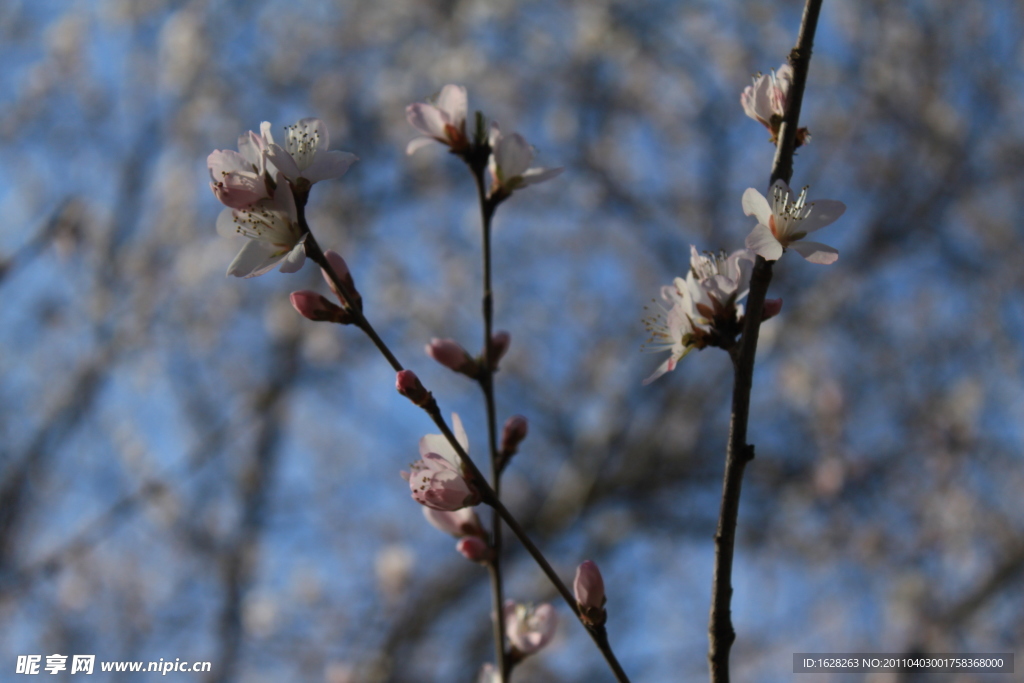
(302, 144)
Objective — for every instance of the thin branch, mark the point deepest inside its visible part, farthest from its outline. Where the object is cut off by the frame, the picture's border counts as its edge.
(474, 475)
(486, 379)
(721, 633)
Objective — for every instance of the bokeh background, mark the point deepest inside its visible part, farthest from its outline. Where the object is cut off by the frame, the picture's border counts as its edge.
(188, 469)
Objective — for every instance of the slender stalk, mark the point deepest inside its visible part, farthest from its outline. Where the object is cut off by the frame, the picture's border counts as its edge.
(486, 379)
(487, 493)
(488, 498)
(721, 634)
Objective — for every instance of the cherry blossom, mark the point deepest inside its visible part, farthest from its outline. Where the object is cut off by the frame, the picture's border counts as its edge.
(717, 282)
(783, 223)
(272, 227)
(509, 164)
(765, 101)
(529, 628)
(436, 479)
(671, 327)
(443, 121)
(239, 179)
(304, 158)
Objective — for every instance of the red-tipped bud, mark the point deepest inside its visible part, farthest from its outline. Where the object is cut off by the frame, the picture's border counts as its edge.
(474, 549)
(771, 308)
(409, 385)
(316, 307)
(450, 354)
(342, 271)
(499, 345)
(516, 428)
(589, 590)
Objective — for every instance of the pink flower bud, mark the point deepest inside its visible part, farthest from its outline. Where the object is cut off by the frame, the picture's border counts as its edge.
(474, 549)
(589, 590)
(528, 628)
(499, 345)
(409, 385)
(342, 271)
(516, 428)
(315, 307)
(771, 308)
(450, 354)
(459, 523)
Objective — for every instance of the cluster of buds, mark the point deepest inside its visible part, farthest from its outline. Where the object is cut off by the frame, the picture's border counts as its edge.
(261, 185)
(507, 157)
(316, 307)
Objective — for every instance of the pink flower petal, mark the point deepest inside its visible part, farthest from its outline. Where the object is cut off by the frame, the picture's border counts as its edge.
(815, 252)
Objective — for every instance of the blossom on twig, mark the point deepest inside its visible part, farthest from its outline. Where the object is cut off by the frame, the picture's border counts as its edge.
(509, 164)
(784, 222)
(437, 478)
(239, 179)
(443, 121)
(274, 234)
(765, 101)
(529, 628)
(304, 158)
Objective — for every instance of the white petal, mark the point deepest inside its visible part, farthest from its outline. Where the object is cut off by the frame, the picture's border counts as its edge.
(254, 259)
(824, 212)
(754, 204)
(539, 175)
(513, 156)
(815, 252)
(284, 162)
(295, 258)
(226, 224)
(268, 137)
(453, 101)
(417, 144)
(428, 119)
(763, 242)
(668, 366)
(329, 165)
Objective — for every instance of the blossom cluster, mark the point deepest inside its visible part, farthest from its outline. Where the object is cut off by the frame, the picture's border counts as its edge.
(509, 156)
(704, 308)
(264, 184)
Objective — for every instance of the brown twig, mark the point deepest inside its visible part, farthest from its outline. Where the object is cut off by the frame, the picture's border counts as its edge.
(721, 634)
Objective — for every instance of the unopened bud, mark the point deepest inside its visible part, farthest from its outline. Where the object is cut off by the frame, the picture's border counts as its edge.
(499, 345)
(316, 307)
(409, 385)
(341, 270)
(516, 428)
(474, 549)
(450, 354)
(589, 590)
(771, 308)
